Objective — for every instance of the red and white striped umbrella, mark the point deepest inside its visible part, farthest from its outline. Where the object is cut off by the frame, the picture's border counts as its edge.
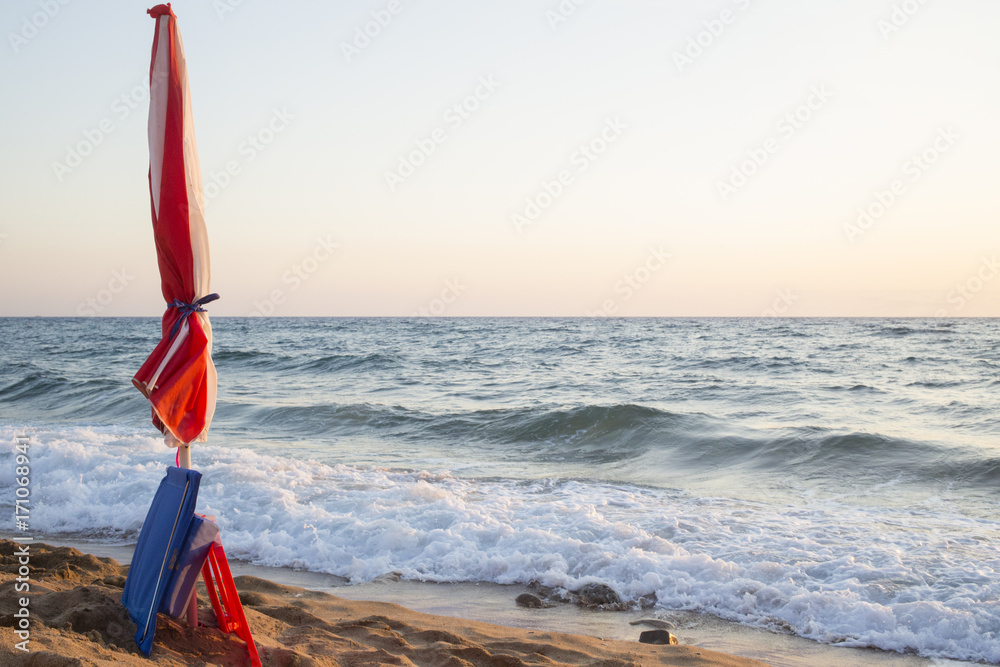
(179, 377)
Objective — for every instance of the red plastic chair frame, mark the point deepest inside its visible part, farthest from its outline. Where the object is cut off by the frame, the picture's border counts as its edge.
(226, 600)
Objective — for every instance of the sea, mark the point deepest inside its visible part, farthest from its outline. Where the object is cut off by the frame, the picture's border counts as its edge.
(836, 479)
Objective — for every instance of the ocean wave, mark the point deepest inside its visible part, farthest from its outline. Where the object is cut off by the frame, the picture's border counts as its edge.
(916, 580)
(85, 399)
(856, 387)
(597, 422)
(335, 363)
(227, 356)
(655, 439)
(936, 384)
(31, 386)
(856, 456)
(330, 420)
(625, 429)
(734, 361)
(233, 359)
(909, 331)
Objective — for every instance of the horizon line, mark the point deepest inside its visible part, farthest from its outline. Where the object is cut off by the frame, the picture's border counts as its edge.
(520, 317)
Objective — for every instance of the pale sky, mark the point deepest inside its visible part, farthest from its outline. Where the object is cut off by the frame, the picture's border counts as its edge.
(827, 107)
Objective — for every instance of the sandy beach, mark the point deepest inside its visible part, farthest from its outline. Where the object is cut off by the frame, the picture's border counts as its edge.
(77, 619)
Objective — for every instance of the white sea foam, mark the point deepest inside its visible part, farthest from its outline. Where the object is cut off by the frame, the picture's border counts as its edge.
(920, 579)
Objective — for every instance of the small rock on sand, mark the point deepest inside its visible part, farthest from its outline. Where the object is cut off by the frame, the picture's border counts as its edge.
(529, 601)
(657, 637)
(597, 594)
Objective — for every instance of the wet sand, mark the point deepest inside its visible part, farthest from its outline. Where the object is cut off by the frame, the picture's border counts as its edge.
(494, 604)
(77, 619)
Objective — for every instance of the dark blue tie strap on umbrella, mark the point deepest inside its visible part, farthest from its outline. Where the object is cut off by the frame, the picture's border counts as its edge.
(188, 309)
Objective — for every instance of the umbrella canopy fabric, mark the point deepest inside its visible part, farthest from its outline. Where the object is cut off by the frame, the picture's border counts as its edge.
(179, 376)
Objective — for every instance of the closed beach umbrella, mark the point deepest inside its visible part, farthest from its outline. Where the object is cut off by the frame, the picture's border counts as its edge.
(179, 377)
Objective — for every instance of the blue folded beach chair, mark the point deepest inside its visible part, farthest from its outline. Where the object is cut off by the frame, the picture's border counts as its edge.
(157, 556)
(194, 552)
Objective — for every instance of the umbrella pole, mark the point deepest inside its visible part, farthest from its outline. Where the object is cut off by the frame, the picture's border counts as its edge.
(184, 461)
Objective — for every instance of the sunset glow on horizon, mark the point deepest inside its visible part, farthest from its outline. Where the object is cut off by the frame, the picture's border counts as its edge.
(393, 158)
